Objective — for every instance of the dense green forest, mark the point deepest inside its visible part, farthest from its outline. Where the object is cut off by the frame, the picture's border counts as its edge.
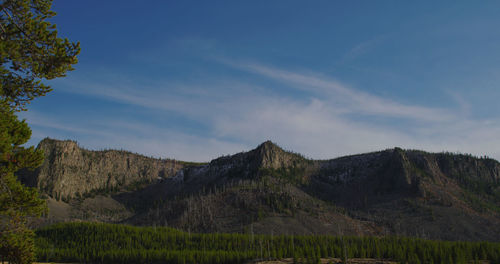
(110, 243)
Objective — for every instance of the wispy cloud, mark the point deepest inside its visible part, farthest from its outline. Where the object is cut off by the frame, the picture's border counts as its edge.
(360, 49)
(237, 115)
(141, 137)
(464, 106)
(356, 101)
(39, 120)
(311, 128)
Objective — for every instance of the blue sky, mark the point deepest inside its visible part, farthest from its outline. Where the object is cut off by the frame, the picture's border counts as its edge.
(194, 80)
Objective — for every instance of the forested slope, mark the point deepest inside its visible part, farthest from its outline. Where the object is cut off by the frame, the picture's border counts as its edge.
(107, 243)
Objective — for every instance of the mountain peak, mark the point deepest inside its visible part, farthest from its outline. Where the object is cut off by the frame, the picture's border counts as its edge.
(270, 155)
(268, 145)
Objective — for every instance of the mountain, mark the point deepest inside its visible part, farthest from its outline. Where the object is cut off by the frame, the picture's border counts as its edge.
(270, 190)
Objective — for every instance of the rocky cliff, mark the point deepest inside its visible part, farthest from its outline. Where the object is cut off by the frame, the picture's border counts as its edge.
(70, 171)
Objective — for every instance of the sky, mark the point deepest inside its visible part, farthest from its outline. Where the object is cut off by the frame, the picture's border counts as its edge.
(194, 80)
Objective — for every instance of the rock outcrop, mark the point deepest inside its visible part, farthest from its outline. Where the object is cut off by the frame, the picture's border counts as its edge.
(70, 171)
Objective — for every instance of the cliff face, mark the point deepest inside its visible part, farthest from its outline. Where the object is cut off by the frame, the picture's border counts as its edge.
(70, 171)
(392, 173)
(355, 181)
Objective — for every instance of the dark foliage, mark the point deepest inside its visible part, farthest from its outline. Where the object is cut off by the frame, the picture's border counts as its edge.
(107, 243)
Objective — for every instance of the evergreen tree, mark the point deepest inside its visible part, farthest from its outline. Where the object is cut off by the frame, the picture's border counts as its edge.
(30, 52)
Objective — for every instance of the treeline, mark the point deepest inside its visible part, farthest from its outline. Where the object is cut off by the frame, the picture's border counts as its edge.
(108, 243)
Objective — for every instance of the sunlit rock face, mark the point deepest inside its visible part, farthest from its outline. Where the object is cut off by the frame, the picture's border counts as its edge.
(69, 171)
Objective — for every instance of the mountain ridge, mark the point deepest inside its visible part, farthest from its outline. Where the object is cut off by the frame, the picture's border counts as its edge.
(270, 190)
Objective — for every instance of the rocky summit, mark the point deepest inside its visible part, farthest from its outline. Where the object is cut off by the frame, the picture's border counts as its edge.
(270, 190)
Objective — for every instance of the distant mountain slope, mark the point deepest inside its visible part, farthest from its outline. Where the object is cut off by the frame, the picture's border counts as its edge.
(269, 190)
